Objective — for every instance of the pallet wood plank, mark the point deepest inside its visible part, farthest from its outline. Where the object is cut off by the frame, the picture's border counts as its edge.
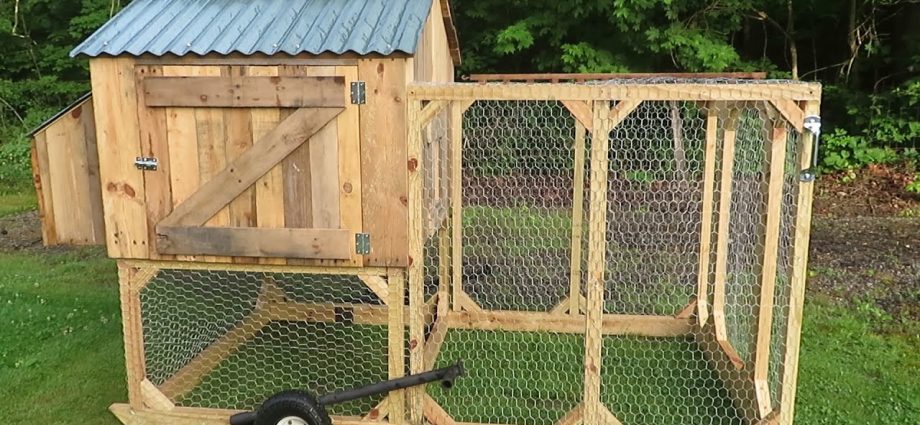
(349, 142)
(244, 92)
(384, 173)
(43, 188)
(269, 188)
(239, 140)
(332, 244)
(94, 189)
(249, 167)
(211, 128)
(154, 144)
(417, 224)
(115, 104)
(298, 172)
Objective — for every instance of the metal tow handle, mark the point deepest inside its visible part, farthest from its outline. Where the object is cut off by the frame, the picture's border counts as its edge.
(813, 125)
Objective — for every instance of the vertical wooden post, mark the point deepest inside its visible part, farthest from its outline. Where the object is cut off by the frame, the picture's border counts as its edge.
(597, 241)
(799, 274)
(133, 333)
(397, 344)
(444, 262)
(416, 259)
(777, 164)
(725, 209)
(578, 213)
(456, 199)
(709, 182)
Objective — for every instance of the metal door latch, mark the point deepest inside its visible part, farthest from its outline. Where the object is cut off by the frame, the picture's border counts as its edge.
(144, 163)
(813, 125)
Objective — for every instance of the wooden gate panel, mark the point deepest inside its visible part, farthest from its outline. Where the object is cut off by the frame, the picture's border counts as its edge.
(305, 190)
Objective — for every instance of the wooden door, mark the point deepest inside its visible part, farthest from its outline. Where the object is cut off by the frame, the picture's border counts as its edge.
(255, 163)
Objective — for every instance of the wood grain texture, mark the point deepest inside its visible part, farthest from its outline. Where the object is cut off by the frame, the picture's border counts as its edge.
(597, 249)
(384, 172)
(333, 244)
(245, 92)
(123, 196)
(706, 217)
(250, 166)
(396, 329)
(154, 144)
(43, 188)
(269, 189)
(578, 217)
(609, 324)
(239, 140)
(724, 226)
(777, 164)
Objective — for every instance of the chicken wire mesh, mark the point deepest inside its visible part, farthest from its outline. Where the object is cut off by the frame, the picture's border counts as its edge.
(230, 339)
(524, 245)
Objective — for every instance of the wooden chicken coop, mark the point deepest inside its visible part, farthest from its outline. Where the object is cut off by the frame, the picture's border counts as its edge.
(299, 196)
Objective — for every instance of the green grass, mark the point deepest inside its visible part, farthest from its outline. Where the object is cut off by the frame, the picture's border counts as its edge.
(61, 358)
(17, 203)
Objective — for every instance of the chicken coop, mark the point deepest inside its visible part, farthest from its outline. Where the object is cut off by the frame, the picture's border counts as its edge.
(299, 196)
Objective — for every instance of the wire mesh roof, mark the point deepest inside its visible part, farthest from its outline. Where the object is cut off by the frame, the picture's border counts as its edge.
(181, 27)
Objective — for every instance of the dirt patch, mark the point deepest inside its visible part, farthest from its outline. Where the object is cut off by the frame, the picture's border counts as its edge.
(877, 190)
(868, 260)
(20, 232)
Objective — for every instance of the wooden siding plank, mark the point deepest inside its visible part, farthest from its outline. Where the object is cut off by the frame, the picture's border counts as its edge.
(324, 166)
(349, 140)
(270, 187)
(43, 188)
(155, 144)
(333, 244)
(239, 140)
(297, 173)
(182, 141)
(249, 167)
(383, 161)
(115, 104)
(211, 129)
(245, 92)
(88, 117)
(67, 168)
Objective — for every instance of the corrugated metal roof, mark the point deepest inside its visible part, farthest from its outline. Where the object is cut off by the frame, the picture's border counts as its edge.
(182, 27)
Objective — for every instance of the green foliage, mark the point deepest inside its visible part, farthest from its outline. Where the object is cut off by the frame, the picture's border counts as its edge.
(914, 186)
(844, 152)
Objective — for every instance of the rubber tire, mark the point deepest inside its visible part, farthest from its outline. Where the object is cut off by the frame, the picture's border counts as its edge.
(292, 403)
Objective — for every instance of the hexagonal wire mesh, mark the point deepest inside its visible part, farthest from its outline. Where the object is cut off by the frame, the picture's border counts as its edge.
(229, 339)
(519, 225)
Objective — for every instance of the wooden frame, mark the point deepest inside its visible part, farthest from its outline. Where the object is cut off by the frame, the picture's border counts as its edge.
(418, 326)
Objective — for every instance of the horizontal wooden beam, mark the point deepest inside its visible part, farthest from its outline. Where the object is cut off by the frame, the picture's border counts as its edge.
(328, 244)
(568, 91)
(614, 324)
(362, 314)
(245, 92)
(200, 416)
(256, 268)
(563, 77)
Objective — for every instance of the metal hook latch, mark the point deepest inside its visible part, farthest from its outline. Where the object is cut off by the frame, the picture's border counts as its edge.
(813, 125)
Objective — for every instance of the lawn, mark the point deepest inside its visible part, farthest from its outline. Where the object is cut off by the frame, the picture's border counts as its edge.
(61, 358)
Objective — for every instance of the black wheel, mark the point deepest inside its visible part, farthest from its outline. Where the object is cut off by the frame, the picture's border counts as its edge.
(292, 408)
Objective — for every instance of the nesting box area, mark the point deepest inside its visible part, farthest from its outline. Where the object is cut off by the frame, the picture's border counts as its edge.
(299, 196)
